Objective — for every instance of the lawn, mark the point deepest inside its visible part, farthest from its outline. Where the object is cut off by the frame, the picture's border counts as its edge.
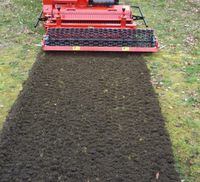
(175, 70)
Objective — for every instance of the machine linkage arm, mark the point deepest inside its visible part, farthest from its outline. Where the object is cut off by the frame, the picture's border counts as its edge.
(40, 18)
(141, 17)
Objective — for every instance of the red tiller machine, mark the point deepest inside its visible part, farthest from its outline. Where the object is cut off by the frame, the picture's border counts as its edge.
(94, 25)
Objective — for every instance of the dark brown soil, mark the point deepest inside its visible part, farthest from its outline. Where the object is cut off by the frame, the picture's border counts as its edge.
(86, 117)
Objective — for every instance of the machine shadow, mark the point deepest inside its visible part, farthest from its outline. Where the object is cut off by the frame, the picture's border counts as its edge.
(85, 116)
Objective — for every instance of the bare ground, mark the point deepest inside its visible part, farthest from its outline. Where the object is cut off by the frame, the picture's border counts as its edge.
(87, 117)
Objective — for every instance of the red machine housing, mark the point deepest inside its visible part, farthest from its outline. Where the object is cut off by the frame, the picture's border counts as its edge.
(93, 25)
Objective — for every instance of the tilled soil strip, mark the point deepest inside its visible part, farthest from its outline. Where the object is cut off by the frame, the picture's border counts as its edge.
(86, 117)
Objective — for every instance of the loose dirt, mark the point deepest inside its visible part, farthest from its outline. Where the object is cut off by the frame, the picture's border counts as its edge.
(86, 117)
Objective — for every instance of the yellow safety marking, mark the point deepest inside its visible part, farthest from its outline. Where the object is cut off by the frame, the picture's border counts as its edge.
(76, 48)
(125, 48)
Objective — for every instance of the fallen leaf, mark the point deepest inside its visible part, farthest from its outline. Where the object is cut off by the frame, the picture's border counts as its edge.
(157, 175)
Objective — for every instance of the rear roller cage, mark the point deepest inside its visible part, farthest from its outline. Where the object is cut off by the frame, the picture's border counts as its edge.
(103, 2)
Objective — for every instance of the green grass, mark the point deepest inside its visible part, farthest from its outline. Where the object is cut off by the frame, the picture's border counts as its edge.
(17, 48)
(175, 70)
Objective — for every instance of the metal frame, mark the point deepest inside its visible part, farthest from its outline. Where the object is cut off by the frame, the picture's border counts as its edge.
(99, 49)
(84, 14)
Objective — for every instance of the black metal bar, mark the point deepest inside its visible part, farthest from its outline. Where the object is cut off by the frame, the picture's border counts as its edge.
(102, 40)
(39, 19)
(140, 17)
